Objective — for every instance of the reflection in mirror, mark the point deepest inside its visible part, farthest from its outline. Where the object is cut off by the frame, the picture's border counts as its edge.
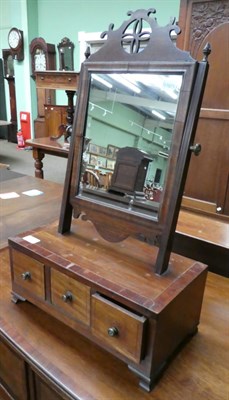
(65, 49)
(128, 135)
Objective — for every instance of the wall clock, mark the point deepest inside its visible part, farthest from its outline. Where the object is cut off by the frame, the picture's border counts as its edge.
(43, 55)
(16, 43)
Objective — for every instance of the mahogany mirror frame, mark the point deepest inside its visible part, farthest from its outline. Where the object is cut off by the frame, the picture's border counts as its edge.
(159, 55)
(65, 50)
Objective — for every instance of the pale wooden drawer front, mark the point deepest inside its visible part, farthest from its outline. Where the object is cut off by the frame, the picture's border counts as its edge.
(28, 273)
(126, 327)
(57, 81)
(78, 306)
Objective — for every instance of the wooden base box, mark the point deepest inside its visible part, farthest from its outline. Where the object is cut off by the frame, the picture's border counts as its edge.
(109, 293)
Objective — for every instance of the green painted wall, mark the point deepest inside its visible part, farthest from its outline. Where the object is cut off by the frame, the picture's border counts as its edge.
(93, 16)
(55, 19)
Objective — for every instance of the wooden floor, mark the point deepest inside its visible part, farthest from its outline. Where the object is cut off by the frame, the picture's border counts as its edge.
(199, 372)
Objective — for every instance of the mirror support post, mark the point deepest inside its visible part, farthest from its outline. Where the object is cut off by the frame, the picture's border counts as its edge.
(165, 248)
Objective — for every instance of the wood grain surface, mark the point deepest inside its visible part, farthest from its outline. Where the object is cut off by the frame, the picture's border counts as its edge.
(80, 370)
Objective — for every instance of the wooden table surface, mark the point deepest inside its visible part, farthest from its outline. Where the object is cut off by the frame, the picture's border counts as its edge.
(25, 212)
(205, 238)
(212, 229)
(46, 145)
(83, 371)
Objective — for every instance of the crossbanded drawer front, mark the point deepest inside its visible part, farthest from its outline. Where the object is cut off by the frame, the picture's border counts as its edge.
(28, 273)
(118, 328)
(70, 296)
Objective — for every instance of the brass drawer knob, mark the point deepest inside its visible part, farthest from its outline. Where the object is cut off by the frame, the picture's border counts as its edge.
(26, 276)
(113, 331)
(67, 297)
(196, 149)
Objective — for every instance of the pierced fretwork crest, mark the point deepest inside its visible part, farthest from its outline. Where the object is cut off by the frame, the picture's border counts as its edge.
(140, 35)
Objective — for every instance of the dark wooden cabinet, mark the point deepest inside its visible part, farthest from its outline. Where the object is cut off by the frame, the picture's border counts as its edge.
(13, 373)
(9, 76)
(54, 117)
(205, 21)
(12, 130)
(19, 381)
(50, 114)
(44, 391)
(130, 171)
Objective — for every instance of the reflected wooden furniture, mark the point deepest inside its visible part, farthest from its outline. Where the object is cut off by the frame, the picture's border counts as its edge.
(130, 171)
(51, 361)
(51, 81)
(46, 145)
(91, 178)
(96, 178)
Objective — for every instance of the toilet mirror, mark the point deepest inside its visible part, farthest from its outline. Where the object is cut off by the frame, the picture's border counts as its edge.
(135, 120)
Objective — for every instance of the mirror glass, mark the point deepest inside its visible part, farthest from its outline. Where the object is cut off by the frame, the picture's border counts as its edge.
(65, 49)
(10, 66)
(129, 131)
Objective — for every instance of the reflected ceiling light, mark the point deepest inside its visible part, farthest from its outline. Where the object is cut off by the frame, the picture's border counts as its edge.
(171, 93)
(126, 82)
(101, 80)
(159, 115)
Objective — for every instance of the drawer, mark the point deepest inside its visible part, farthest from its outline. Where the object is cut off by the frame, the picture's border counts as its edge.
(28, 273)
(70, 296)
(118, 328)
(57, 80)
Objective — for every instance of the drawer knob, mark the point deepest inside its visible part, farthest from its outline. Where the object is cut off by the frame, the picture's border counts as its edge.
(196, 149)
(67, 297)
(26, 276)
(113, 331)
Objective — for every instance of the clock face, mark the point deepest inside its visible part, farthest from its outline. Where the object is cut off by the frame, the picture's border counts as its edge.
(39, 60)
(14, 38)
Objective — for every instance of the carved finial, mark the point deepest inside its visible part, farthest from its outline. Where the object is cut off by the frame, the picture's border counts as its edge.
(87, 52)
(206, 51)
